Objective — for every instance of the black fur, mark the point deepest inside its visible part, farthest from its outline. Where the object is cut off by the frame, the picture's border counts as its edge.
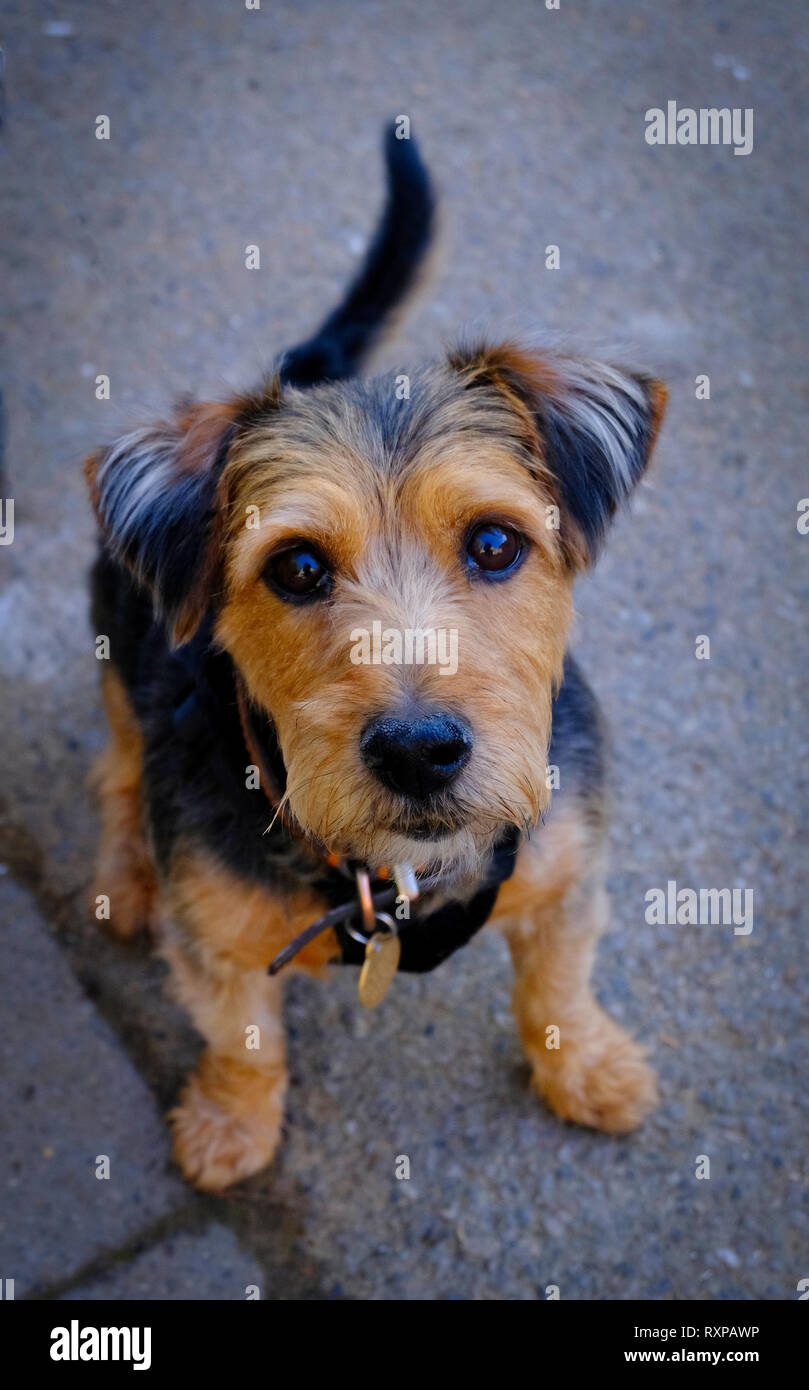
(578, 744)
(388, 273)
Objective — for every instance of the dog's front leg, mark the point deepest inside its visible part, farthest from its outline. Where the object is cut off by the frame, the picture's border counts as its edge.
(584, 1064)
(219, 934)
(228, 1120)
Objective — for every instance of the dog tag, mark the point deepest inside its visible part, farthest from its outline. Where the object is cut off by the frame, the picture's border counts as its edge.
(382, 952)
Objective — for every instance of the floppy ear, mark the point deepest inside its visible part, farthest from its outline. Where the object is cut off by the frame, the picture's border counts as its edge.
(156, 496)
(592, 426)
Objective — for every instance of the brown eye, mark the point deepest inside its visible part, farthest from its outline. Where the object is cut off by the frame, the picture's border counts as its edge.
(298, 574)
(493, 549)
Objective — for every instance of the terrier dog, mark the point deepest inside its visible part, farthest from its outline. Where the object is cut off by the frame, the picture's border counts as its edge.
(259, 770)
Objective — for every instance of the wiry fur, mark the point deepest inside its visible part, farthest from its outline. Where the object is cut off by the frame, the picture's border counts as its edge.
(388, 490)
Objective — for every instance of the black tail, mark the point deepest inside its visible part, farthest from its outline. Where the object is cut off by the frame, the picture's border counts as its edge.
(389, 271)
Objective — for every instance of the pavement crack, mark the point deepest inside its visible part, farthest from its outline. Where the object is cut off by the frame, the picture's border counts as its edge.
(186, 1220)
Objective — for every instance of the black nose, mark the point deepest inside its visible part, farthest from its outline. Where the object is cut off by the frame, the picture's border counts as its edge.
(416, 757)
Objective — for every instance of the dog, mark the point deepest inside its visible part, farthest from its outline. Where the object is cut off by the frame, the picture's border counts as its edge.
(266, 795)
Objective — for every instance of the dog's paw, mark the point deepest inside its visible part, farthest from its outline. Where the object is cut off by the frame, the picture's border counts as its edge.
(215, 1148)
(598, 1077)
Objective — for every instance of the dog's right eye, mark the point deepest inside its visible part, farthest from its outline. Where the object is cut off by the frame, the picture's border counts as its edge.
(298, 574)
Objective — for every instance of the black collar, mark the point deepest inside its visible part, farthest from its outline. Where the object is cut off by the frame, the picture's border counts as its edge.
(428, 938)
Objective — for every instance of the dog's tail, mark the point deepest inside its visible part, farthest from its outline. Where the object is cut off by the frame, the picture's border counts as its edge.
(389, 271)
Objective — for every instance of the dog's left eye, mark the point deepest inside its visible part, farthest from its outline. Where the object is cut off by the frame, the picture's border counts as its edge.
(298, 574)
(493, 549)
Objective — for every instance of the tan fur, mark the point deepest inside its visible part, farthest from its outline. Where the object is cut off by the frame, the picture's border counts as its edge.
(552, 911)
(218, 937)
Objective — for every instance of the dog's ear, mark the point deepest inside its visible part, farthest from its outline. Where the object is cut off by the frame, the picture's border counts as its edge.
(158, 500)
(591, 426)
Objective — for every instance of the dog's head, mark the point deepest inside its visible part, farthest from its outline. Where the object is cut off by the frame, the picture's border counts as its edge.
(391, 565)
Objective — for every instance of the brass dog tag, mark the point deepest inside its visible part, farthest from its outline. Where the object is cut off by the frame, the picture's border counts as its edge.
(382, 952)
